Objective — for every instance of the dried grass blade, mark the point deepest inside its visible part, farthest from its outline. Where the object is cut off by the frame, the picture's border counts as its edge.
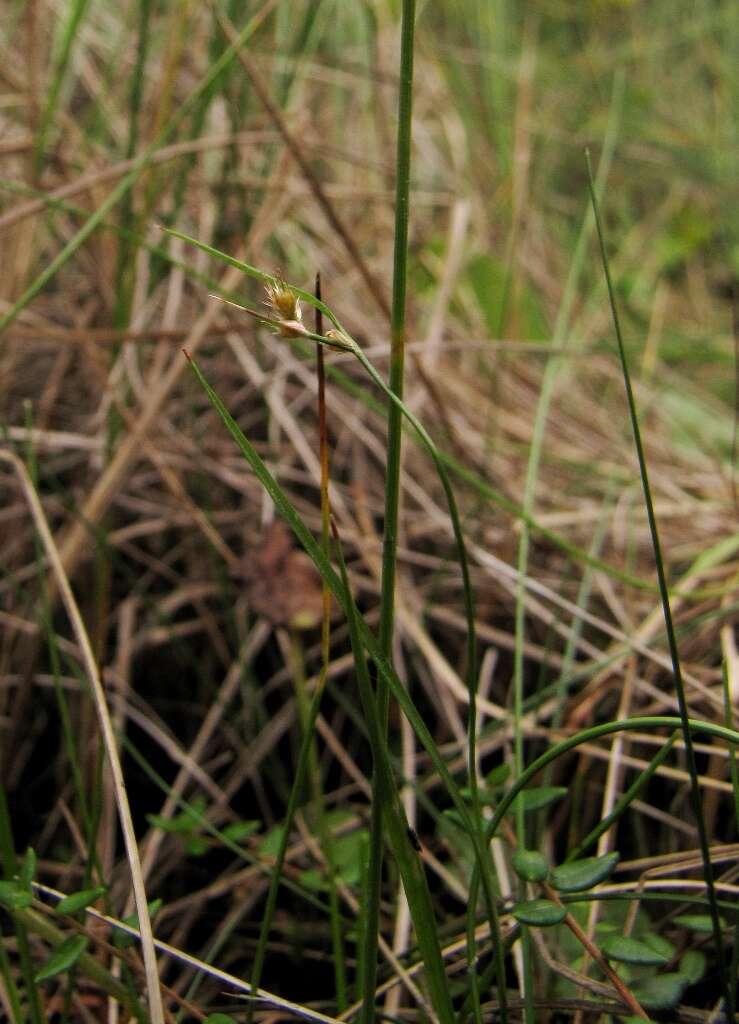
(124, 811)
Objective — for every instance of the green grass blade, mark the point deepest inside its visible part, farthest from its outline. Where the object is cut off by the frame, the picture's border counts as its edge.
(626, 799)
(664, 593)
(392, 481)
(70, 32)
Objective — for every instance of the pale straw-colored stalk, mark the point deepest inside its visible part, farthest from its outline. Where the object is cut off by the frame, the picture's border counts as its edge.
(156, 1010)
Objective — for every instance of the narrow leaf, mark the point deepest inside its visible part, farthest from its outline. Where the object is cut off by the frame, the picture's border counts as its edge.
(121, 939)
(79, 900)
(239, 830)
(537, 797)
(498, 776)
(582, 874)
(64, 956)
(270, 845)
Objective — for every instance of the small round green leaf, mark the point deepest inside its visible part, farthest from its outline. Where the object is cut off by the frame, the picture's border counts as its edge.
(698, 922)
(64, 956)
(15, 895)
(632, 951)
(539, 913)
(219, 1018)
(659, 944)
(530, 865)
(579, 875)
(693, 965)
(663, 992)
(79, 900)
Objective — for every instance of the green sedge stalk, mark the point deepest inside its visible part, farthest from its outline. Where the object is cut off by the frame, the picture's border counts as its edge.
(392, 491)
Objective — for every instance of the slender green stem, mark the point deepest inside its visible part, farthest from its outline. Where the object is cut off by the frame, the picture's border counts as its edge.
(392, 490)
(307, 748)
(407, 859)
(560, 339)
(669, 627)
(397, 332)
(126, 264)
(70, 35)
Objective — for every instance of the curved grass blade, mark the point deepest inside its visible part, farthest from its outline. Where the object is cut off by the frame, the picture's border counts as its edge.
(730, 736)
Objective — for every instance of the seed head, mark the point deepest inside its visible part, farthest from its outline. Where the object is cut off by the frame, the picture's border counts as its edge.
(283, 302)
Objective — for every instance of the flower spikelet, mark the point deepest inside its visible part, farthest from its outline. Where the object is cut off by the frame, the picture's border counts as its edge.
(283, 302)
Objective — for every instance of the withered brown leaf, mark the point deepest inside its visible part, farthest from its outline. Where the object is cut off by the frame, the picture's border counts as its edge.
(281, 582)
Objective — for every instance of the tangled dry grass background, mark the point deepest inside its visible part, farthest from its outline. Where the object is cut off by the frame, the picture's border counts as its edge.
(160, 525)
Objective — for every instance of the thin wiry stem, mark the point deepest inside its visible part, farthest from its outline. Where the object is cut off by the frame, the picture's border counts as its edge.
(392, 490)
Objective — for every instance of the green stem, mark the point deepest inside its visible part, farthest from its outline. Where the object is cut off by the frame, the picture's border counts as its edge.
(733, 769)
(398, 833)
(397, 328)
(392, 490)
